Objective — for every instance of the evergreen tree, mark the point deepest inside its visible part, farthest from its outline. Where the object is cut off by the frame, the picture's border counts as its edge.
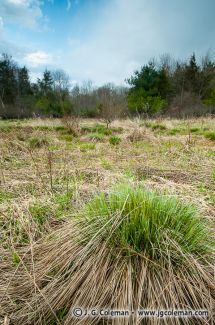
(8, 80)
(46, 84)
(149, 89)
(192, 71)
(24, 84)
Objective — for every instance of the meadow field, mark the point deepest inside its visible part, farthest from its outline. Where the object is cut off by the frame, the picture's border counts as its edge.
(49, 172)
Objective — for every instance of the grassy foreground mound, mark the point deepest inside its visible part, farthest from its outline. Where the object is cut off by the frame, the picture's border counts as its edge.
(130, 249)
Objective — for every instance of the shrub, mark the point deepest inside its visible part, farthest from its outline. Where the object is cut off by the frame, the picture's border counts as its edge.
(72, 124)
(210, 135)
(114, 140)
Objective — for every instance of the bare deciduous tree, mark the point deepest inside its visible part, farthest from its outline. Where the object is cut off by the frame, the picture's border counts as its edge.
(112, 102)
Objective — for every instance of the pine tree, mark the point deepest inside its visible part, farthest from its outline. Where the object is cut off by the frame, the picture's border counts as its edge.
(46, 84)
(8, 80)
(192, 75)
(24, 82)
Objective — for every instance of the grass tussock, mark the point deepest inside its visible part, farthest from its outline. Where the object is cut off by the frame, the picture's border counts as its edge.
(210, 135)
(37, 142)
(157, 225)
(114, 140)
(136, 135)
(128, 249)
(96, 136)
(101, 129)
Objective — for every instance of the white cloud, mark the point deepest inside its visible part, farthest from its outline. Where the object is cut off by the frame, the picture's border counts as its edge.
(124, 36)
(1, 22)
(68, 5)
(23, 12)
(38, 58)
(129, 33)
(35, 75)
(122, 41)
(18, 2)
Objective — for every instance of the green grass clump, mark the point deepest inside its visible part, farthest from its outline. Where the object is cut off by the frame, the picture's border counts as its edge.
(21, 137)
(194, 130)
(174, 131)
(117, 129)
(59, 128)
(63, 202)
(37, 142)
(98, 128)
(87, 146)
(158, 226)
(5, 196)
(155, 126)
(159, 127)
(210, 135)
(147, 124)
(213, 174)
(15, 258)
(96, 136)
(101, 129)
(114, 140)
(66, 137)
(6, 128)
(106, 164)
(44, 128)
(148, 248)
(40, 213)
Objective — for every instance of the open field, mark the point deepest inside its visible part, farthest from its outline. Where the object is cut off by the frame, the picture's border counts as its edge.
(47, 174)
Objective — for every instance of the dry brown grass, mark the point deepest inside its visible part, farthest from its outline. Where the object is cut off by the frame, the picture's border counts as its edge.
(32, 285)
(60, 273)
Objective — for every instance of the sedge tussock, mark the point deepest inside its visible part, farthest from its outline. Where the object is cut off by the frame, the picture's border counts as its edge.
(129, 249)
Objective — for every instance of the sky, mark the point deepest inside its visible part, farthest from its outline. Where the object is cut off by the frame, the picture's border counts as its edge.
(103, 40)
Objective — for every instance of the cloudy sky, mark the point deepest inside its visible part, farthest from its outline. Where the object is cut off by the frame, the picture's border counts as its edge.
(103, 40)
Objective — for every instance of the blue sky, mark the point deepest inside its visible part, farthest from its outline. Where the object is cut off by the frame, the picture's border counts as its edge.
(103, 40)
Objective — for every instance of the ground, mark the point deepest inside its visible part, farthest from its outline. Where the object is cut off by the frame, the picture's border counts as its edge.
(47, 173)
(50, 167)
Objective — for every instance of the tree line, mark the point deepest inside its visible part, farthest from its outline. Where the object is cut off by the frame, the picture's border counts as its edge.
(165, 86)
